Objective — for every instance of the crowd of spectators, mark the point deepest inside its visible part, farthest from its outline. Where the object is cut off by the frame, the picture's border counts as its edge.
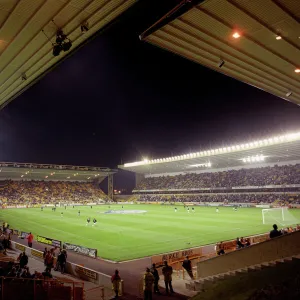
(48, 192)
(276, 175)
(225, 198)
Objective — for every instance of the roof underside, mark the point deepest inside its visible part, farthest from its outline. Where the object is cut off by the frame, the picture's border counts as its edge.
(204, 35)
(279, 153)
(18, 171)
(25, 50)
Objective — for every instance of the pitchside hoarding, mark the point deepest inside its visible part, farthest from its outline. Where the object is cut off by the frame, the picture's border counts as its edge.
(48, 241)
(81, 250)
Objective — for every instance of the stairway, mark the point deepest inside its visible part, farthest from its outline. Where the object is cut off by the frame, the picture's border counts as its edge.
(207, 283)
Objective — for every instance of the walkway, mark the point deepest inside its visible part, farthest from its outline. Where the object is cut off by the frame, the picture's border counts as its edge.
(131, 272)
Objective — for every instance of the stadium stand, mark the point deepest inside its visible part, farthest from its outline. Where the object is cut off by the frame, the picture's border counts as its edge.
(253, 198)
(47, 192)
(258, 177)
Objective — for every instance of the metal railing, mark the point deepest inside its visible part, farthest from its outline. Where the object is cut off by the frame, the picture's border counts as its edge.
(40, 289)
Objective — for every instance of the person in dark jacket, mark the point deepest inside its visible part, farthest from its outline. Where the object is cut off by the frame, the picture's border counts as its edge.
(61, 259)
(23, 260)
(156, 279)
(187, 265)
(275, 232)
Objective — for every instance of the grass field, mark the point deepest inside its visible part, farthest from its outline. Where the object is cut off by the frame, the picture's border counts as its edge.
(127, 236)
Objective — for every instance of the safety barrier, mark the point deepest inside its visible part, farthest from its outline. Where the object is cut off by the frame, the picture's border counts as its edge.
(38, 289)
(280, 247)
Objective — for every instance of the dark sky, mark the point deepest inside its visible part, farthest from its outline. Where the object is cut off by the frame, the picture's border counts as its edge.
(118, 99)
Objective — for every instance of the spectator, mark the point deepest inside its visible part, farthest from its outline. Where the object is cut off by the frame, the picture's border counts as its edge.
(239, 243)
(23, 260)
(187, 265)
(44, 255)
(220, 248)
(275, 233)
(167, 272)
(30, 239)
(148, 284)
(116, 282)
(49, 259)
(156, 278)
(61, 260)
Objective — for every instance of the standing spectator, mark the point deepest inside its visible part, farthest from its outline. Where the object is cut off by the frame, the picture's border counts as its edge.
(275, 232)
(29, 239)
(116, 281)
(23, 260)
(44, 255)
(187, 265)
(167, 272)
(61, 260)
(148, 284)
(49, 260)
(156, 279)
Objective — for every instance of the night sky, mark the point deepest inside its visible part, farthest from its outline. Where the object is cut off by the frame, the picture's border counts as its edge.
(119, 99)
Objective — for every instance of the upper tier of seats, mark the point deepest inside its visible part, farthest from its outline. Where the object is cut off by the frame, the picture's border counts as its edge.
(276, 175)
(43, 192)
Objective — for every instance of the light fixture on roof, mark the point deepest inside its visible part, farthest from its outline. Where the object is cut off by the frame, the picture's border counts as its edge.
(24, 77)
(256, 158)
(236, 35)
(84, 27)
(22, 175)
(221, 63)
(289, 93)
(62, 42)
(278, 37)
(297, 70)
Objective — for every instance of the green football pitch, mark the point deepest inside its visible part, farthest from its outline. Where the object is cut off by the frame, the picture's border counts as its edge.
(127, 236)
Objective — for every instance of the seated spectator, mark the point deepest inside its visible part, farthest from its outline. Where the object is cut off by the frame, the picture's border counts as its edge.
(239, 243)
(220, 249)
(275, 232)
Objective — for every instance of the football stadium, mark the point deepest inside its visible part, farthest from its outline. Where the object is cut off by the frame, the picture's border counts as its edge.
(223, 222)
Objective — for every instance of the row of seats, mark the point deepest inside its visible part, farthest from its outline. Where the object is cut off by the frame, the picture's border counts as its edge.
(276, 175)
(44, 192)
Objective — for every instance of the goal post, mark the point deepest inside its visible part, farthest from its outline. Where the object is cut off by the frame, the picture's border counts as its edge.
(280, 216)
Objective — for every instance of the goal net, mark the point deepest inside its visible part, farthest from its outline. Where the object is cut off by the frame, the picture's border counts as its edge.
(278, 216)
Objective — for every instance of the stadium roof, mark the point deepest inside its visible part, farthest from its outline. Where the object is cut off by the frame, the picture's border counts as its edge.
(256, 42)
(277, 149)
(26, 53)
(28, 171)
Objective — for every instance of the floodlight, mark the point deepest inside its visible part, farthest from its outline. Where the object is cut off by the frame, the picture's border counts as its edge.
(288, 94)
(278, 37)
(297, 70)
(67, 45)
(56, 49)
